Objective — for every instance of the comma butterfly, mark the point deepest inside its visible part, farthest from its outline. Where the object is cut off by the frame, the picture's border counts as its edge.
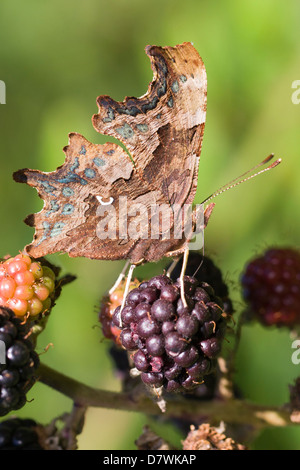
(99, 203)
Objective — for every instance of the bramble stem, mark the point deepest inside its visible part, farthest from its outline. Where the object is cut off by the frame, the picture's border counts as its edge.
(232, 411)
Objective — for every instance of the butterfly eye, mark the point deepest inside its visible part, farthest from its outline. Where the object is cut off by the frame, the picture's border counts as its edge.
(105, 203)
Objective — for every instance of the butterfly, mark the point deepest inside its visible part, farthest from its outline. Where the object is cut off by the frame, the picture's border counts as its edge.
(99, 203)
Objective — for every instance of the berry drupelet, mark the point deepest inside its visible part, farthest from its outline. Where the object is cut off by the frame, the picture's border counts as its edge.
(271, 287)
(19, 434)
(206, 271)
(17, 370)
(173, 345)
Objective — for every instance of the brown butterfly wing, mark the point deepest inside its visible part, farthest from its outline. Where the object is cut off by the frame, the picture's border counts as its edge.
(163, 132)
(163, 129)
(67, 220)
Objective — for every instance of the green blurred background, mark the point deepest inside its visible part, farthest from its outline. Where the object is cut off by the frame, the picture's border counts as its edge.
(56, 57)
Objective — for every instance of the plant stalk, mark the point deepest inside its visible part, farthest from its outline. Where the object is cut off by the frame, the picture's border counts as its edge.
(234, 411)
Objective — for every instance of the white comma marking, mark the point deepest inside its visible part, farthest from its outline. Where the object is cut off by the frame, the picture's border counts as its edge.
(100, 199)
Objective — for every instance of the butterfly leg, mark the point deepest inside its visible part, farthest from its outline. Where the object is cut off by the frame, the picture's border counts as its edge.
(181, 278)
(126, 290)
(172, 267)
(120, 278)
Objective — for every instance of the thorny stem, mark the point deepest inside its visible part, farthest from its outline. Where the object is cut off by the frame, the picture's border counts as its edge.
(234, 411)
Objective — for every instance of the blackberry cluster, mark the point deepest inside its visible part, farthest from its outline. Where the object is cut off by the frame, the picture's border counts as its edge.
(271, 287)
(208, 272)
(19, 434)
(174, 346)
(26, 286)
(20, 362)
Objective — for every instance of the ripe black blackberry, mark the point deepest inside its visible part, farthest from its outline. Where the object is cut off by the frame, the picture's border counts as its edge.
(174, 346)
(19, 434)
(208, 272)
(17, 370)
(271, 287)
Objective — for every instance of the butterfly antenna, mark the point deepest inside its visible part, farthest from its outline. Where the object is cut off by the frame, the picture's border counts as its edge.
(242, 178)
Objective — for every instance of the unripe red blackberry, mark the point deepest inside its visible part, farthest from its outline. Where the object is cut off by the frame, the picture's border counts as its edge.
(208, 272)
(271, 287)
(19, 364)
(108, 304)
(172, 345)
(26, 286)
(19, 434)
